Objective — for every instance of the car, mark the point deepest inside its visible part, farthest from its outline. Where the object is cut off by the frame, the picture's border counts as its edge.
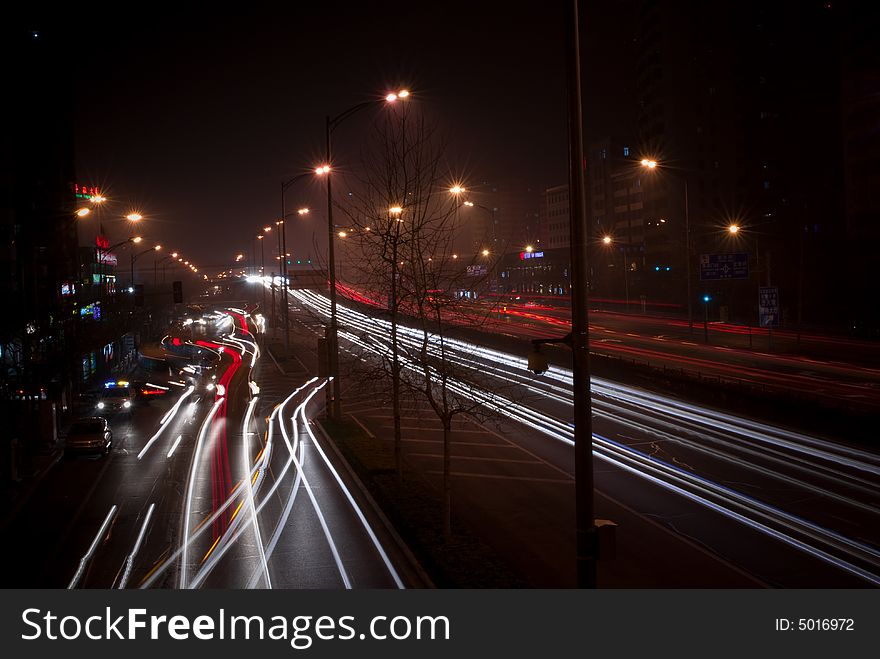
(89, 434)
(116, 397)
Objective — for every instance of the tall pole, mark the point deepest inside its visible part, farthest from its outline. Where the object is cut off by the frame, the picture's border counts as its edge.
(283, 239)
(332, 346)
(580, 339)
(263, 270)
(687, 257)
(277, 240)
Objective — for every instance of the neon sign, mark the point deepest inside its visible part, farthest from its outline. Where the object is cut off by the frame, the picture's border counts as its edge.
(85, 191)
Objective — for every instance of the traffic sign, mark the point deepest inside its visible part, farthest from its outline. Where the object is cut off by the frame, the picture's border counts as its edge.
(724, 266)
(768, 306)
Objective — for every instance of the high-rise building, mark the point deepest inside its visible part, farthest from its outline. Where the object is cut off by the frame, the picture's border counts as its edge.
(740, 102)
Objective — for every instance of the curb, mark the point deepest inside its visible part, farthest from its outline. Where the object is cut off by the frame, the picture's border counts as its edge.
(402, 547)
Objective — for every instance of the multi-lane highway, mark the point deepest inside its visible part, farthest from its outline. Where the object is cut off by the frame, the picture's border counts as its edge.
(222, 482)
(818, 372)
(789, 507)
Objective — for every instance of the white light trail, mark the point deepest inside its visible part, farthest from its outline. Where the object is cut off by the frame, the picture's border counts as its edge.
(184, 563)
(246, 450)
(169, 416)
(174, 446)
(129, 561)
(92, 547)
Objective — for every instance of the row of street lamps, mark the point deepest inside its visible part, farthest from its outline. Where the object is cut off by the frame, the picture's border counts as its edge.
(134, 218)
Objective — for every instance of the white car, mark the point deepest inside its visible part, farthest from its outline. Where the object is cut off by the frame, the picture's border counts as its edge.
(116, 397)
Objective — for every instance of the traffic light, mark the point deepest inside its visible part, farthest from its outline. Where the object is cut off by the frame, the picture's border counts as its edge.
(138, 295)
(178, 292)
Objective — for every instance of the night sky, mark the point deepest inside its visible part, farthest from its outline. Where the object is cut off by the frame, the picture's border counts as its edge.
(198, 115)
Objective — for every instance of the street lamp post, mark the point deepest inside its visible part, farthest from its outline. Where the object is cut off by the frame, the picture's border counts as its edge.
(652, 164)
(135, 257)
(282, 246)
(330, 125)
(262, 269)
(608, 240)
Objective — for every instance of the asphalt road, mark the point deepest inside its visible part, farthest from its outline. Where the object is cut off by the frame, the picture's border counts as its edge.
(780, 505)
(830, 370)
(219, 483)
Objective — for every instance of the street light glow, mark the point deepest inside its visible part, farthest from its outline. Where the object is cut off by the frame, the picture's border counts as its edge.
(395, 210)
(136, 239)
(322, 169)
(650, 164)
(456, 189)
(134, 217)
(97, 199)
(158, 247)
(733, 228)
(174, 255)
(82, 212)
(301, 211)
(530, 249)
(267, 229)
(342, 234)
(485, 252)
(607, 240)
(468, 203)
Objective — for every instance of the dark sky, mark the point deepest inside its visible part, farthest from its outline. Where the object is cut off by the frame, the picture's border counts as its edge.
(197, 115)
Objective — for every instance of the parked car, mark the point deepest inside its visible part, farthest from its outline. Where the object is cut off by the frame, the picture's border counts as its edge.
(90, 434)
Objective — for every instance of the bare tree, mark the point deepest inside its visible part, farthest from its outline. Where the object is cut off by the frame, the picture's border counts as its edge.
(404, 221)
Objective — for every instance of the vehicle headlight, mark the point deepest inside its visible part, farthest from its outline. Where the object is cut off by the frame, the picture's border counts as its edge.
(126, 404)
(100, 406)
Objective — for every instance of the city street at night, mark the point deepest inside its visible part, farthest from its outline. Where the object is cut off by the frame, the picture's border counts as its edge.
(452, 296)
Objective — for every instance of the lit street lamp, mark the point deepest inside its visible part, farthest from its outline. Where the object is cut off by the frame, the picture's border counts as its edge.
(135, 257)
(608, 240)
(330, 125)
(652, 164)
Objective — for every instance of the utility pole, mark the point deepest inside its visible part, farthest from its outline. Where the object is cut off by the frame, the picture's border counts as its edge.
(587, 540)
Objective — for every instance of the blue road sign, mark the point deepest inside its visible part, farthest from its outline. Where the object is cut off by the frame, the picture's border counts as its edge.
(768, 306)
(724, 266)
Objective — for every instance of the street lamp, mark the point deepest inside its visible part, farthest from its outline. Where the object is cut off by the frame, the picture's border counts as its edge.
(135, 257)
(262, 269)
(650, 165)
(282, 248)
(608, 240)
(329, 126)
(82, 212)
(733, 229)
(134, 217)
